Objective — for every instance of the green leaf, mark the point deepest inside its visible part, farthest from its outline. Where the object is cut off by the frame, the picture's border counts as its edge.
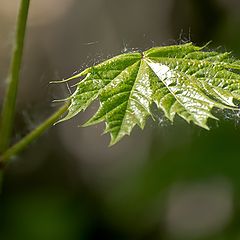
(181, 79)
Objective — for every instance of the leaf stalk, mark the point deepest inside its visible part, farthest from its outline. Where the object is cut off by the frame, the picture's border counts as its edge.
(37, 132)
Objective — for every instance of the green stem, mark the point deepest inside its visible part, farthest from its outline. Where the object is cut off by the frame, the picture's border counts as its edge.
(9, 103)
(24, 142)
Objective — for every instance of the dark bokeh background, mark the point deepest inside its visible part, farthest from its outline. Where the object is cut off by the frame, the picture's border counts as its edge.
(168, 182)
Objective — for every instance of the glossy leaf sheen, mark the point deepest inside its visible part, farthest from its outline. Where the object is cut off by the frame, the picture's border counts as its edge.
(181, 79)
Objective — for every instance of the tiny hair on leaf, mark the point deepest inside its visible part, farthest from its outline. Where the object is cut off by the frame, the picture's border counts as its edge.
(184, 80)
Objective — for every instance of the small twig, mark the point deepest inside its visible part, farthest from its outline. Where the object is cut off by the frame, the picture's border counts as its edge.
(24, 142)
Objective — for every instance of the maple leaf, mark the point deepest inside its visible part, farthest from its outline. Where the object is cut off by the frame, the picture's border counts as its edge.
(186, 80)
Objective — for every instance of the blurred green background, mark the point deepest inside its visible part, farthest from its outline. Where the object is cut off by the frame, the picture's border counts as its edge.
(170, 182)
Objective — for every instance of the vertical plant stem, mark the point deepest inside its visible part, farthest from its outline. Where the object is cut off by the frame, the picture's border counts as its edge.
(9, 103)
(7, 115)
